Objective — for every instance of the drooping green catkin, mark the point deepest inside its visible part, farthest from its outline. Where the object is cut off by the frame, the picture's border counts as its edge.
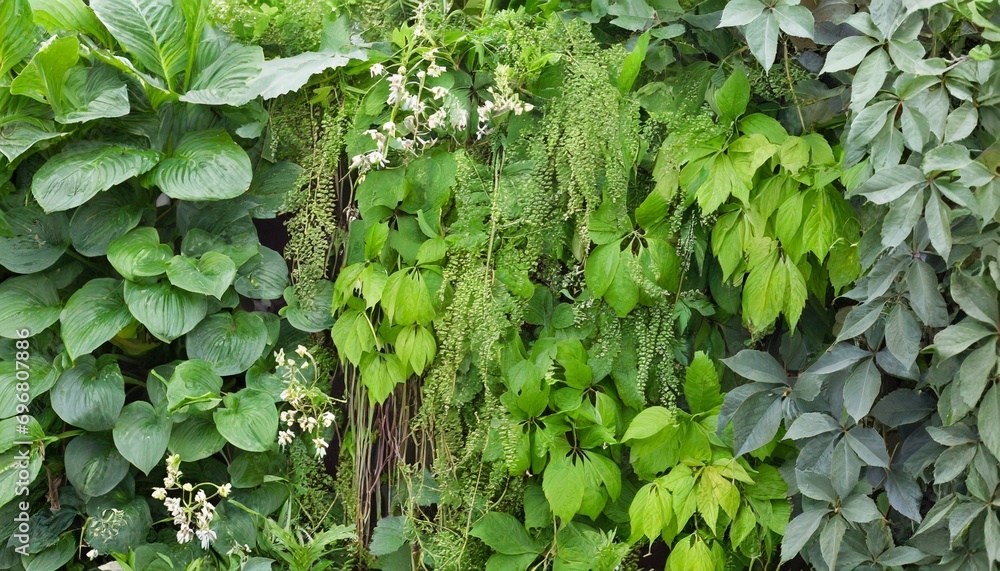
(315, 137)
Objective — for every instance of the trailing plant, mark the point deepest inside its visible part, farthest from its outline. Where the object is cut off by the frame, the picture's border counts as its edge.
(131, 176)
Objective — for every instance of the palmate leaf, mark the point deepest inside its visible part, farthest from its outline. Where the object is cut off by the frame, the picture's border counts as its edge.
(206, 165)
(84, 169)
(152, 30)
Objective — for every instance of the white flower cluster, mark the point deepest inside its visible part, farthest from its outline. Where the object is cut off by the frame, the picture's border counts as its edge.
(193, 511)
(311, 408)
(504, 101)
(420, 113)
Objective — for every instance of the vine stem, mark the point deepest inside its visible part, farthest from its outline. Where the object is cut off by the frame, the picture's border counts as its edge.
(791, 87)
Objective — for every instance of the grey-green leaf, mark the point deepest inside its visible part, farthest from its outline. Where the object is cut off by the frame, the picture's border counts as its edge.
(861, 389)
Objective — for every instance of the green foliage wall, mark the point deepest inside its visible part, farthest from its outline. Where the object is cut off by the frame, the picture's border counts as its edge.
(567, 283)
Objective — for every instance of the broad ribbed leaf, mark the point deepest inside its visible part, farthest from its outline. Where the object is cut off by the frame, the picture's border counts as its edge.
(141, 435)
(195, 438)
(167, 311)
(230, 342)
(212, 274)
(265, 276)
(152, 30)
(193, 384)
(44, 77)
(222, 75)
(18, 38)
(103, 219)
(79, 172)
(282, 75)
(92, 93)
(94, 314)
(57, 15)
(249, 420)
(29, 302)
(139, 254)
(38, 240)
(89, 395)
(23, 124)
(93, 464)
(206, 165)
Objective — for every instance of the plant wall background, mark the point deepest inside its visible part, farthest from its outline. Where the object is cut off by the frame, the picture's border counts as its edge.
(626, 284)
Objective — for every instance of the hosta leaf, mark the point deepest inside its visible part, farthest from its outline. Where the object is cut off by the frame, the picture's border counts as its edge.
(231, 342)
(93, 315)
(57, 15)
(282, 75)
(139, 254)
(141, 435)
(249, 420)
(18, 38)
(193, 384)
(237, 239)
(92, 93)
(93, 464)
(264, 276)
(54, 557)
(195, 439)
(205, 165)
(103, 219)
(167, 311)
(29, 302)
(38, 240)
(152, 30)
(310, 315)
(80, 171)
(90, 395)
(225, 73)
(212, 274)
(271, 186)
(44, 77)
